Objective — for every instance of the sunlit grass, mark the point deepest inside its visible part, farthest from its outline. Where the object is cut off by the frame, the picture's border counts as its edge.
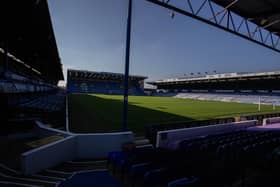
(103, 113)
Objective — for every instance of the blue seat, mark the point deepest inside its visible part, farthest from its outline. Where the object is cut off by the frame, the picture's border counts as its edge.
(137, 171)
(112, 156)
(116, 158)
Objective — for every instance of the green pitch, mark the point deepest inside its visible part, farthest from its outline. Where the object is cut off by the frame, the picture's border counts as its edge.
(103, 113)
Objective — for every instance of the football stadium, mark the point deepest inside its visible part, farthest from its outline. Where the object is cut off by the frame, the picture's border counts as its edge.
(111, 129)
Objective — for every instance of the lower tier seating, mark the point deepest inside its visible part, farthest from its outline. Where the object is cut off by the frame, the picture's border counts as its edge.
(219, 160)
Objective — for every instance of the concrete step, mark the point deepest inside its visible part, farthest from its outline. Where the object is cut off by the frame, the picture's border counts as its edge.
(145, 146)
(55, 174)
(28, 181)
(16, 184)
(139, 138)
(80, 166)
(48, 178)
(87, 161)
(142, 142)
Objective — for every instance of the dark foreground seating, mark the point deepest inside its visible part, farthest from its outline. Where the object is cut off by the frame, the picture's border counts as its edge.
(218, 160)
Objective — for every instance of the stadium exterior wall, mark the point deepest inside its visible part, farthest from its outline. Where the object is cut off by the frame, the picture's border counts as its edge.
(73, 146)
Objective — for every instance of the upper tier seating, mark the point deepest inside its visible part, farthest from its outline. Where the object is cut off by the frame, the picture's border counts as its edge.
(102, 87)
(45, 102)
(231, 97)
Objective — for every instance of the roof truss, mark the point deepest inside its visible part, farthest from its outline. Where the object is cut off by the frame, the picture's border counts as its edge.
(261, 29)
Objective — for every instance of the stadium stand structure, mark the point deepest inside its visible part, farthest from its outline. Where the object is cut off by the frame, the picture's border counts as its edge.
(237, 157)
(30, 65)
(30, 69)
(79, 81)
(239, 98)
(264, 82)
(256, 21)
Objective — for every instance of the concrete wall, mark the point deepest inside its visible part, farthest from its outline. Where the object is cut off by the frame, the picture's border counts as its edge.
(98, 145)
(48, 155)
(73, 146)
(168, 136)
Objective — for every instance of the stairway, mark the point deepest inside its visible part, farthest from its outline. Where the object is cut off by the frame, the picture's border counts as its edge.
(54, 176)
(50, 177)
(141, 142)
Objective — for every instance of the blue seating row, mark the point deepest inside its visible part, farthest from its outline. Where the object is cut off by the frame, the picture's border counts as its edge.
(215, 160)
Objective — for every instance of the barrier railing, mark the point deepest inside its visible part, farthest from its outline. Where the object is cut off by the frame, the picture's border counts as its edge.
(172, 136)
(151, 130)
(259, 117)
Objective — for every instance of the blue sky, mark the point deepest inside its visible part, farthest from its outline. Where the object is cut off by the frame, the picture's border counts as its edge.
(90, 35)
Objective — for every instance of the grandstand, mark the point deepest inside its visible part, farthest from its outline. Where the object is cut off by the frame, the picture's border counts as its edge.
(238, 98)
(264, 82)
(228, 155)
(30, 65)
(79, 81)
(30, 69)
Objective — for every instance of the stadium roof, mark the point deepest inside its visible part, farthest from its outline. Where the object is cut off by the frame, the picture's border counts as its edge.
(257, 20)
(27, 32)
(265, 13)
(225, 76)
(83, 74)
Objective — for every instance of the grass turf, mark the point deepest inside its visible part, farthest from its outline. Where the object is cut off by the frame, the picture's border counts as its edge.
(103, 113)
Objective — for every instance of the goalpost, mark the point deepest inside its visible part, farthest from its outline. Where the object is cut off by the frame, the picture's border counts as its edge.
(259, 106)
(274, 103)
